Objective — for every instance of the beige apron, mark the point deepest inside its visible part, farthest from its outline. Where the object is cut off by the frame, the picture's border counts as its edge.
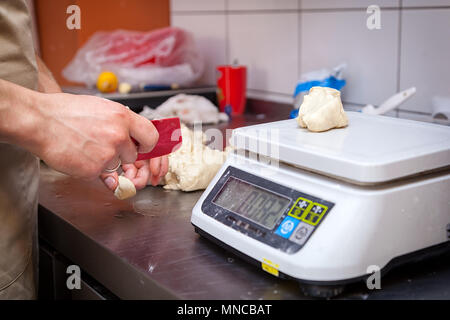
(19, 170)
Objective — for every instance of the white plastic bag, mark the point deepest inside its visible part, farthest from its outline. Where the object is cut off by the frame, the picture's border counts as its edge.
(189, 108)
(160, 57)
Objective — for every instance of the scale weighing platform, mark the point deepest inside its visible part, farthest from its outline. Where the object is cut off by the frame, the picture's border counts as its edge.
(327, 209)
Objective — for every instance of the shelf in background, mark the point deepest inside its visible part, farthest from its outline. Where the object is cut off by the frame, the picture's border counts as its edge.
(136, 101)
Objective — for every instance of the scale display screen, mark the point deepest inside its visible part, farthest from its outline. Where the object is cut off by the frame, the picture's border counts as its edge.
(254, 203)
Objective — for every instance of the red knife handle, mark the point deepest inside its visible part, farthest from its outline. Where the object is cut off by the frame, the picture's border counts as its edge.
(169, 140)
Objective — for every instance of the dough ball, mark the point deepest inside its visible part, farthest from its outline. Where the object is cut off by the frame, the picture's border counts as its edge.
(125, 189)
(194, 165)
(322, 110)
(194, 171)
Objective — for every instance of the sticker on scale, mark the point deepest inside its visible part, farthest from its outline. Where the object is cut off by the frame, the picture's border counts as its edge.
(308, 211)
(270, 267)
(300, 206)
(315, 214)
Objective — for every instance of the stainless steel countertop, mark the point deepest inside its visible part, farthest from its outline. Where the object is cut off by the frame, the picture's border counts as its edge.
(146, 247)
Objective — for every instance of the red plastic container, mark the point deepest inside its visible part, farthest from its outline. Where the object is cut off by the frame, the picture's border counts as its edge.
(231, 88)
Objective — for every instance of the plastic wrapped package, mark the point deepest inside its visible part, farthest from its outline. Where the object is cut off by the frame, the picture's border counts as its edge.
(161, 57)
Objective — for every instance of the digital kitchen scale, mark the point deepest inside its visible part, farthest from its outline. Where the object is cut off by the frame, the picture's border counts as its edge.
(337, 205)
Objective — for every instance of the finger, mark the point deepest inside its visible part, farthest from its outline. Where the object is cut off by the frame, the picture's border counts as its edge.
(143, 174)
(130, 171)
(143, 131)
(110, 180)
(164, 166)
(128, 152)
(155, 166)
(154, 180)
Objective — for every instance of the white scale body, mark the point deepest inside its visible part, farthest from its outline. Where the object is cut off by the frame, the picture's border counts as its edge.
(340, 204)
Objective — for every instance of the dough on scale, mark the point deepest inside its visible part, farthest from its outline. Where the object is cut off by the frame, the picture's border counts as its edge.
(125, 188)
(194, 165)
(322, 110)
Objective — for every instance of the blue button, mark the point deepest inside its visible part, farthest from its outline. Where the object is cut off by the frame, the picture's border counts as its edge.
(286, 227)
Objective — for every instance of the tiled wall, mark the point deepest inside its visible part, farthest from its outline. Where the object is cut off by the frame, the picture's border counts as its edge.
(280, 39)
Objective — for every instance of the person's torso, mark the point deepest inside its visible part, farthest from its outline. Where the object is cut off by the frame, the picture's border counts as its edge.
(19, 169)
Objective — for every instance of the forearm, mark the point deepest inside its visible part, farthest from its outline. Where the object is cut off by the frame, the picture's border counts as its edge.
(20, 119)
(46, 81)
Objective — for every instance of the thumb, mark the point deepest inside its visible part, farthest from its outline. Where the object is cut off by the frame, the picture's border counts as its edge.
(110, 180)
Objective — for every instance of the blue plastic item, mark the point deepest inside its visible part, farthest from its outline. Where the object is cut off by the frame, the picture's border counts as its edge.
(293, 114)
(330, 82)
(153, 87)
(228, 110)
(319, 78)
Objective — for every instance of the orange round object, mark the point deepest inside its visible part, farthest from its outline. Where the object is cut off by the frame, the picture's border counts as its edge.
(107, 82)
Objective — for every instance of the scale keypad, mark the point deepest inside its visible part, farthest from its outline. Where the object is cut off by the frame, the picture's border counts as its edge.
(246, 202)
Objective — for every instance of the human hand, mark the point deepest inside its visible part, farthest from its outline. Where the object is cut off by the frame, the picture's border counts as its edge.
(158, 169)
(84, 135)
(141, 172)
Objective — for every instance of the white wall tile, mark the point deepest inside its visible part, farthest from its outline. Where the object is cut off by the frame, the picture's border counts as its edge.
(333, 4)
(262, 4)
(329, 38)
(197, 5)
(209, 34)
(268, 96)
(425, 3)
(267, 45)
(425, 54)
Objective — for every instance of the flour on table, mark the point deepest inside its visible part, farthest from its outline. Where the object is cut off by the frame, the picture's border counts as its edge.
(322, 110)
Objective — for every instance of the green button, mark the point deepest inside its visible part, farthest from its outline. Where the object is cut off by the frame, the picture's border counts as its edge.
(314, 213)
(300, 206)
